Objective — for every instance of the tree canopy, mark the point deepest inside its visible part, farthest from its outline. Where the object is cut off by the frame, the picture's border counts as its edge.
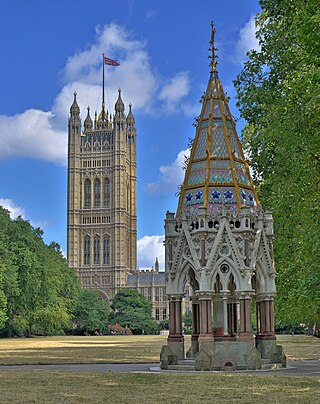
(91, 312)
(278, 94)
(37, 289)
(131, 309)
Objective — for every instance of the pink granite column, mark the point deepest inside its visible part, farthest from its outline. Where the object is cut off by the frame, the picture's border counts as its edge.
(205, 303)
(245, 316)
(175, 338)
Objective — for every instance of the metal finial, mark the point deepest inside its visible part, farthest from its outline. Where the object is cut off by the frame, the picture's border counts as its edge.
(212, 48)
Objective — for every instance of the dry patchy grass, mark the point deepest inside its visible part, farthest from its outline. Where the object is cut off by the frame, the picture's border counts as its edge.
(70, 349)
(72, 387)
(125, 349)
(299, 347)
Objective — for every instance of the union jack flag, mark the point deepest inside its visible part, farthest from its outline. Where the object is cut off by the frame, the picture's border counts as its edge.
(111, 62)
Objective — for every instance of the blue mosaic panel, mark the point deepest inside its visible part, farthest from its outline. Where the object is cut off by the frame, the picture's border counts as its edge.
(194, 197)
(201, 144)
(247, 197)
(219, 148)
(222, 195)
(222, 176)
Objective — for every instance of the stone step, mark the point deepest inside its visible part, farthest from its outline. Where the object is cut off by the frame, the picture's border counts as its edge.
(182, 368)
(270, 366)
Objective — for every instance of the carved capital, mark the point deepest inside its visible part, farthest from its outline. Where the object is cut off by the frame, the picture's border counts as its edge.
(265, 296)
(204, 294)
(177, 297)
(245, 294)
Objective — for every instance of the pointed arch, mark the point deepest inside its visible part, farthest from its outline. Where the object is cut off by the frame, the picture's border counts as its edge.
(87, 193)
(106, 249)
(96, 250)
(86, 250)
(107, 193)
(97, 193)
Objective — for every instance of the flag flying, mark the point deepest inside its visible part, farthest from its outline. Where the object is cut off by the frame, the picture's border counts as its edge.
(111, 62)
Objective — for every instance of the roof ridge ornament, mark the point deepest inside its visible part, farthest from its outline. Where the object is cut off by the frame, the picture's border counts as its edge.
(212, 48)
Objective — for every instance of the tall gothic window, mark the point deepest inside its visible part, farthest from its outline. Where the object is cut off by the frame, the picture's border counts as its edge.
(87, 193)
(97, 192)
(96, 250)
(106, 250)
(86, 256)
(107, 196)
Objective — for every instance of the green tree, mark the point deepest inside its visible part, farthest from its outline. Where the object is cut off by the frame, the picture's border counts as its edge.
(131, 309)
(91, 312)
(278, 94)
(38, 288)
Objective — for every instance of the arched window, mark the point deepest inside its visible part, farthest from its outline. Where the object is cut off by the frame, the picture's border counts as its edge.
(107, 196)
(86, 256)
(97, 192)
(96, 250)
(87, 193)
(106, 250)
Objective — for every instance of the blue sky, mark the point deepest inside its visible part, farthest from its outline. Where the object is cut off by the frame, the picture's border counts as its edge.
(50, 49)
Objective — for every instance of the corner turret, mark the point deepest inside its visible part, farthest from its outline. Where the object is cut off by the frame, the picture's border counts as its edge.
(74, 109)
(88, 121)
(74, 119)
(119, 106)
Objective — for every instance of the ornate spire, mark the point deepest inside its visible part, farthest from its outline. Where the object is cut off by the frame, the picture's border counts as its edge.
(74, 109)
(130, 117)
(212, 48)
(217, 174)
(119, 106)
(88, 121)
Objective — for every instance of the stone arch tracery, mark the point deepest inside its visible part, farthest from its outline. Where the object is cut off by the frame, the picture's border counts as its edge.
(107, 193)
(86, 249)
(96, 249)
(97, 192)
(87, 193)
(106, 249)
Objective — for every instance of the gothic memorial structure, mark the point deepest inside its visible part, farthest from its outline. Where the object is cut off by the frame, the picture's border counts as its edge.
(220, 241)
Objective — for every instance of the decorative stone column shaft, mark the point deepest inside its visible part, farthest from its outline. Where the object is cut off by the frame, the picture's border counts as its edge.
(265, 317)
(245, 316)
(175, 338)
(205, 336)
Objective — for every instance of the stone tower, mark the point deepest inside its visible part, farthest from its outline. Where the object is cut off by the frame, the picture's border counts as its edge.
(221, 242)
(102, 223)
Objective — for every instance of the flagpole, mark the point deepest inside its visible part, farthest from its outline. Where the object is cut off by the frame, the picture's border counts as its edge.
(103, 86)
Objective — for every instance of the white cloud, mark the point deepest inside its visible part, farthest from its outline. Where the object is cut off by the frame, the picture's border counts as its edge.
(172, 92)
(150, 248)
(247, 39)
(14, 210)
(170, 176)
(43, 134)
(31, 134)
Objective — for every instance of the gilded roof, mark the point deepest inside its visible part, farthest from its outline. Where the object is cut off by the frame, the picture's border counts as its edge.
(217, 172)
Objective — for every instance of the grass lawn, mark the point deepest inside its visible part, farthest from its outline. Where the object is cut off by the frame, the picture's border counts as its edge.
(54, 350)
(71, 387)
(40, 386)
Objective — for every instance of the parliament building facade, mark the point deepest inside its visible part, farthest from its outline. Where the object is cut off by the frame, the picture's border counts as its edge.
(102, 213)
